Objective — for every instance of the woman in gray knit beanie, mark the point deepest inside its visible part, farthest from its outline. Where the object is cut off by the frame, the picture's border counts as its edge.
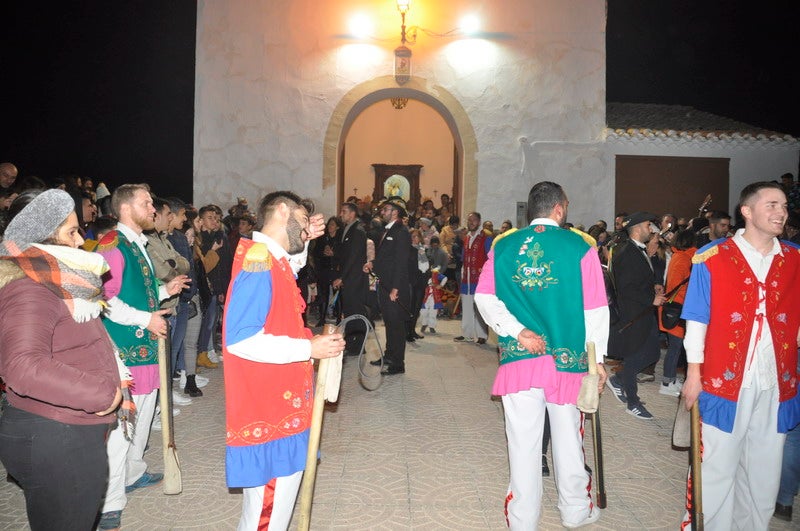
(56, 359)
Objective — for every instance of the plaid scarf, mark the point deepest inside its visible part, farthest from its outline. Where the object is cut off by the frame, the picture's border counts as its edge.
(73, 275)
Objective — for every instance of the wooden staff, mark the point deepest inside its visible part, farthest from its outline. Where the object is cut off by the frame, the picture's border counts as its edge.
(597, 437)
(310, 474)
(697, 475)
(173, 482)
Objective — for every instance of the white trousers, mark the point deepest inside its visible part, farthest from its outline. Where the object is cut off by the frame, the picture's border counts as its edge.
(472, 324)
(742, 469)
(126, 459)
(524, 414)
(285, 494)
(427, 314)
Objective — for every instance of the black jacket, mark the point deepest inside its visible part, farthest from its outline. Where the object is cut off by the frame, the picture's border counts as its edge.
(635, 289)
(391, 260)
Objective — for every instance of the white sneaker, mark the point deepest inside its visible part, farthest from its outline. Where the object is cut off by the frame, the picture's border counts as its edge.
(592, 518)
(200, 381)
(673, 389)
(179, 399)
(157, 418)
(213, 357)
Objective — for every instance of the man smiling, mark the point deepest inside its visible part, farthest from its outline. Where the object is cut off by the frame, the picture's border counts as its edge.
(741, 344)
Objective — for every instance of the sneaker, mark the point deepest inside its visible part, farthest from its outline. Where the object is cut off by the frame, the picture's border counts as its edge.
(110, 520)
(783, 512)
(147, 480)
(594, 515)
(643, 377)
(180, 400)
(616, 388)
(671, 389)
(640, 412)
(213, 356)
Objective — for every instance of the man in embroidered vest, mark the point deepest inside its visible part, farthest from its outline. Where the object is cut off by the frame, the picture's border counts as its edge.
(268, 368)
(742, 321)
(476, 246)
(135, 323)
(542, 291)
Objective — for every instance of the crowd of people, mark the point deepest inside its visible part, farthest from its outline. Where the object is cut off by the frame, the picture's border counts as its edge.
(132, 269)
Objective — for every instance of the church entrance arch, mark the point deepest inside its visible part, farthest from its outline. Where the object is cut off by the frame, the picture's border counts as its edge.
(385, 87)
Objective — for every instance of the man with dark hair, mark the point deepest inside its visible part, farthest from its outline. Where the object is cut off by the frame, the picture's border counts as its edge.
(394, 292)
(353, 283)
(168, 264)
(719, 224)
(542, 291)
(8, 174)
(214, 274)
(268, 368)
(742, 322)
(635, 336)
(476, 245)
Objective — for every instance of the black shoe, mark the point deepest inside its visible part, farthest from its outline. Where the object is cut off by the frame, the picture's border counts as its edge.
(545, 468)
(783, 512)
(391, 369)
(460, 339)
(423, 328)
(432, 330)
(191, 388)
(376, 362)
(481, 341)
(417, 336)
(410, 339)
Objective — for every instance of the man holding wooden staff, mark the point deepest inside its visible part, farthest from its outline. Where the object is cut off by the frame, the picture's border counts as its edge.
(742, 321)
(542, 291)
(268, 368)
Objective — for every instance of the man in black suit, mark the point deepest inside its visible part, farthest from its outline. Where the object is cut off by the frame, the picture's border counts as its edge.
(635, 336)
(351, 255)
(394, 294)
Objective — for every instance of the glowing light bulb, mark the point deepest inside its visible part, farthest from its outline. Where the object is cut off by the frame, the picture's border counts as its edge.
(360, 26)
(470, 24)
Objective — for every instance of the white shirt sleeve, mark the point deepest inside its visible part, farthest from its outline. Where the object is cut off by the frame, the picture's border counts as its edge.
(267, 348)
(124, 314)
(695, 341)
(597, 324)
(496, 315)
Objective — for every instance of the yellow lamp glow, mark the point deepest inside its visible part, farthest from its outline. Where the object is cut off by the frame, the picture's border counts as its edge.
(360, 26)
(470, 24)
(403, 6)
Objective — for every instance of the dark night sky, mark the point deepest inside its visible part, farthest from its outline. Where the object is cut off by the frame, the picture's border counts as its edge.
(106, 89)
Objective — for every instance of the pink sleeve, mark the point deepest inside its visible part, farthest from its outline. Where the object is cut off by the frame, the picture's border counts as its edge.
(112, 280)
(594, 288)
(486, 280)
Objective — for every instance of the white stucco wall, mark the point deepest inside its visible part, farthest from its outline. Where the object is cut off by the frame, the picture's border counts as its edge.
(270, 73)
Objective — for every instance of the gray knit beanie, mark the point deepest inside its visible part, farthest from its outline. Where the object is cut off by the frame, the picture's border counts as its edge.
(39, 220)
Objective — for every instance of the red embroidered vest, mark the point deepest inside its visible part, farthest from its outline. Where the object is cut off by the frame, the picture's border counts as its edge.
(734, 301)
(268, 401)
(474, 258)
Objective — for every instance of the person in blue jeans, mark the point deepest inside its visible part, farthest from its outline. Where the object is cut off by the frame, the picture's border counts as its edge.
(790, 473)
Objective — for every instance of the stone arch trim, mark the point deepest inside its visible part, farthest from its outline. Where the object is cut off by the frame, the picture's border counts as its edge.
(380, 88)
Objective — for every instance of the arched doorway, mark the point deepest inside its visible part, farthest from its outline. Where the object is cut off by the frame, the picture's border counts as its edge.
(385, 87)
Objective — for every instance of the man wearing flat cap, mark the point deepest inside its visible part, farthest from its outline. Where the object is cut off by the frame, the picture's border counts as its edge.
(394, 292)
(635, 336)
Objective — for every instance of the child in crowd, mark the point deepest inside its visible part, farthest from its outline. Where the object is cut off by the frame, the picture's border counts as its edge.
(432, 300)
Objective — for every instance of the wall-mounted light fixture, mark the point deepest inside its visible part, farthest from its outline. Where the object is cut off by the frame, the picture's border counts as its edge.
(402, 54)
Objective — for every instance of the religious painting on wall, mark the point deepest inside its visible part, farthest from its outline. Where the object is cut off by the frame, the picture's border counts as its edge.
(401, 180)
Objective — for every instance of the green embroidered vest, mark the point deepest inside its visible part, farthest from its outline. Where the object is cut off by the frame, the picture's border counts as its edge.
(137, 346)
(537, 275)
